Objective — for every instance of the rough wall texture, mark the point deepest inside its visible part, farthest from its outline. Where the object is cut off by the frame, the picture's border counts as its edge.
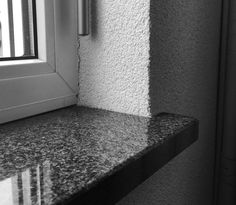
(182, 78)
(114, 59)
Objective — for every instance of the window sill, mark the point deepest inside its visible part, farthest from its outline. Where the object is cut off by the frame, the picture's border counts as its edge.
(79, 155)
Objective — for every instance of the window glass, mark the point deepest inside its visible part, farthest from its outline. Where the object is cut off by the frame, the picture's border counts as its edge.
(17, 29)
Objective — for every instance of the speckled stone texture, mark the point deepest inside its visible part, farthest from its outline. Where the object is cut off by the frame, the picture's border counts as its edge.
(52, 157)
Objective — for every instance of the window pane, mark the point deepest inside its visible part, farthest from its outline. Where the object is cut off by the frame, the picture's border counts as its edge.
(17, 38)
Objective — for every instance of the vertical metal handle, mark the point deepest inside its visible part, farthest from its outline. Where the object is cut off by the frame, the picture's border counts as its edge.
(83, 17)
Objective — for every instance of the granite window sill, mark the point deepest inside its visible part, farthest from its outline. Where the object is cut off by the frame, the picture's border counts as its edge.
(86, 156)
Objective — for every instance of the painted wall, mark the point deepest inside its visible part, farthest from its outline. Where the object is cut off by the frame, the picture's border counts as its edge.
(179, 69)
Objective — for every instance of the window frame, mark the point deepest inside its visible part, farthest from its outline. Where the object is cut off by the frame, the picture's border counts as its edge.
(33, 86)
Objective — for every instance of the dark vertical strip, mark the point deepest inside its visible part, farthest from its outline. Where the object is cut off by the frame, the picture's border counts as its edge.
(26, 27)
(227, 173)
(1, 49)
(11, 28)
(34, 10)
(33, 185)
(20, 189)
(221, 95)
(41, 177)
(31, 26)
(228, 159)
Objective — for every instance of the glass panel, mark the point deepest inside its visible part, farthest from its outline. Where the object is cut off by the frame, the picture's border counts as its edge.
(17, 37)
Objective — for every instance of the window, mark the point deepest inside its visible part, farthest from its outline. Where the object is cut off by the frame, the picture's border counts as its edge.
(18, 29)
(38, 73)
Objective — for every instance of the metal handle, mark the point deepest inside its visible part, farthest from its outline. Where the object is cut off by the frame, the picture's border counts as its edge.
(83, 17)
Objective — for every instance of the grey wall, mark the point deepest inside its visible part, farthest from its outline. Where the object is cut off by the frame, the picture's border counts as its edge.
(150, 56)
(183, 79)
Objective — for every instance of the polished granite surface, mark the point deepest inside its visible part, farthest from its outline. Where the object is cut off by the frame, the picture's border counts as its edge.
(49, 158)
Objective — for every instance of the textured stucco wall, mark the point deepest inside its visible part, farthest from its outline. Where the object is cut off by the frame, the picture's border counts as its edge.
(179, 69)
(113, 73)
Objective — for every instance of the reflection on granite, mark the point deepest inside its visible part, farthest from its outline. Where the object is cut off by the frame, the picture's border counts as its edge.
(49, 158)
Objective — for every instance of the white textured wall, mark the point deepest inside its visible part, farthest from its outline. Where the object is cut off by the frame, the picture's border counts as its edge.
(113, 73)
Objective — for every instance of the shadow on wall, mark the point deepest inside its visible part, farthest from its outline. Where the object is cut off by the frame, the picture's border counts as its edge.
(94, 22)
(184, 46)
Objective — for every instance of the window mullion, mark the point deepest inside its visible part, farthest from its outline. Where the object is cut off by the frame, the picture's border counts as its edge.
(26, 27)
(11, 28)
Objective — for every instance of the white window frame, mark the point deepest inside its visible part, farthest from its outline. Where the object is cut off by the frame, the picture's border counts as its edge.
(30, 87)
